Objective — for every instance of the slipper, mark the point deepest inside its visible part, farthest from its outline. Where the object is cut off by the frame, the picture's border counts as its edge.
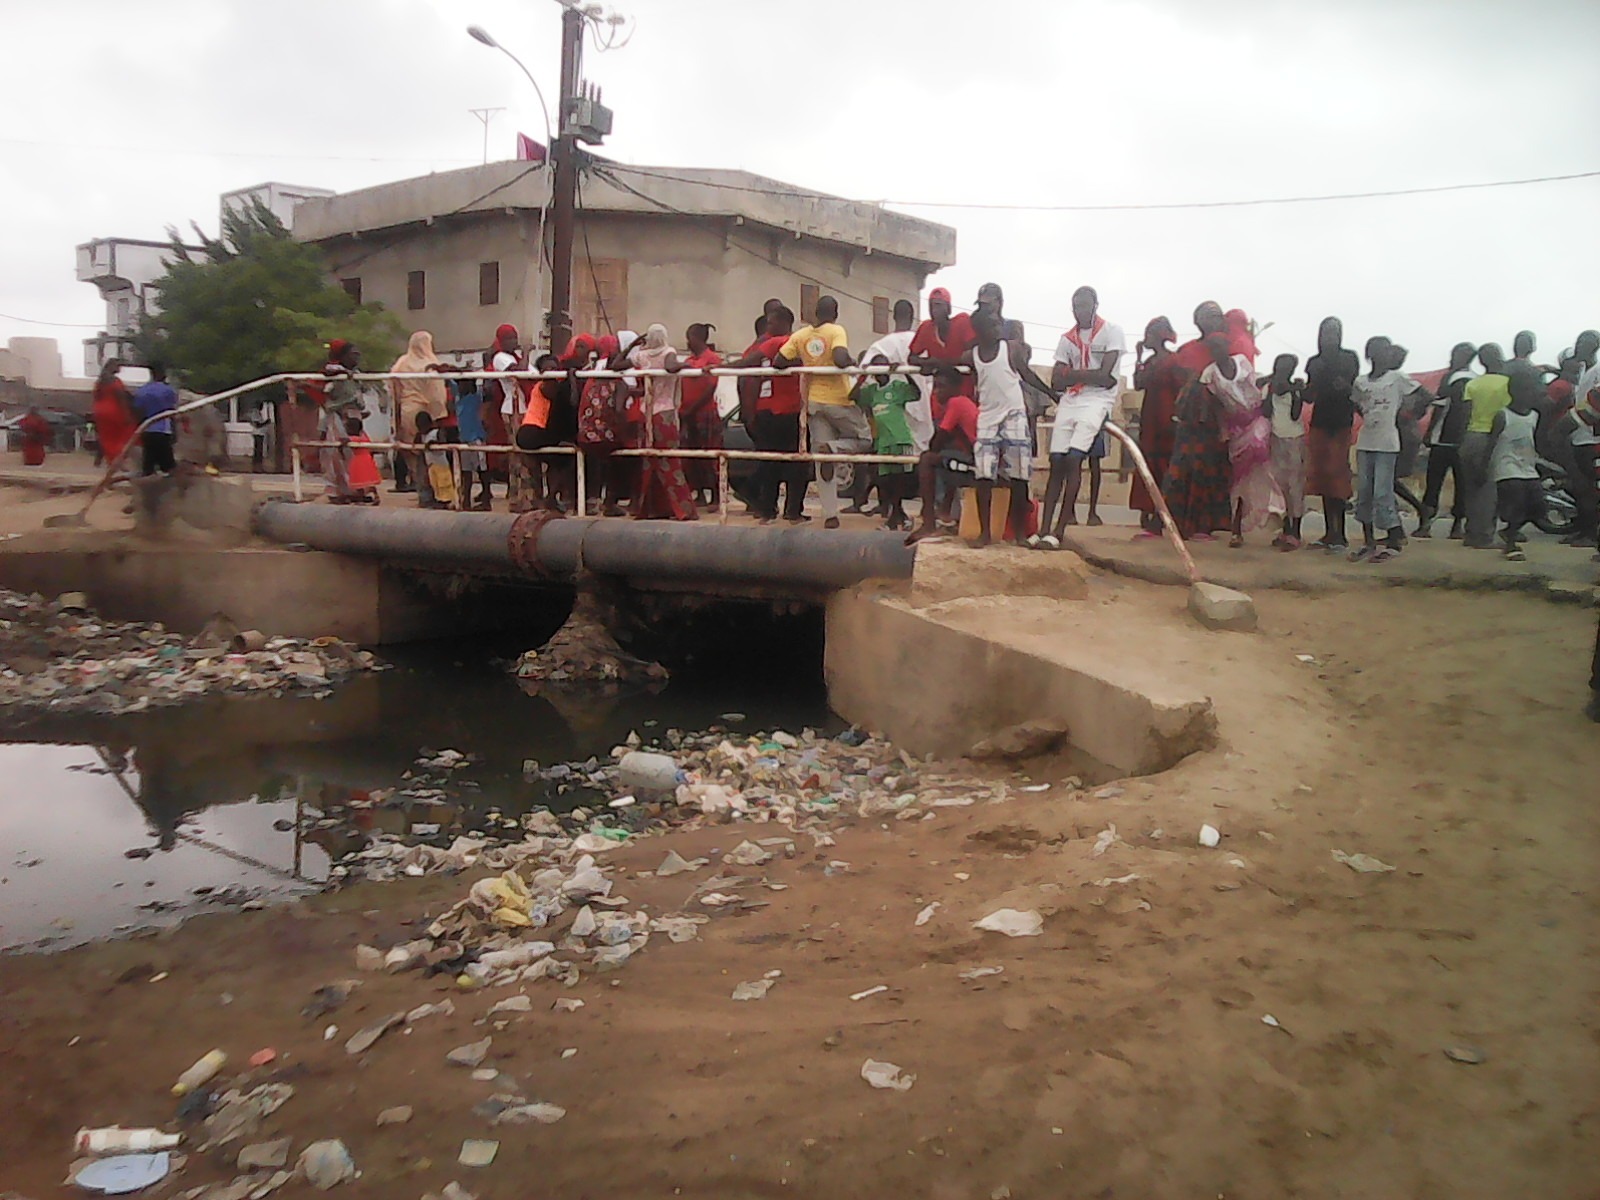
(1363, 554)
(1049, 542)
(1033, 542)
(1383, 554)
(1516, 556)
(1145, 534)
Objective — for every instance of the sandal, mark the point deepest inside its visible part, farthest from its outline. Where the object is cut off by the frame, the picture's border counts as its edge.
(1145, 535)
(1382, 555)
(1363, 554)
(1236, 541)
(1049, 542)
(1516, 556)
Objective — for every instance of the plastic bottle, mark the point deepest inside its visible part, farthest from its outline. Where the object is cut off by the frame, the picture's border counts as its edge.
(113, 1139)
(203, 1070)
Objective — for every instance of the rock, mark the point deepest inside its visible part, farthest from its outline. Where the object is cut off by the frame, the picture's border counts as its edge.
(269, 1155)
(397, 1115)
(364, 1040)
(326, 1164)
(512, 1004)
(470, 1055)
(530, 1114)
(369, 958)
(1217, 607)
(1027, 740)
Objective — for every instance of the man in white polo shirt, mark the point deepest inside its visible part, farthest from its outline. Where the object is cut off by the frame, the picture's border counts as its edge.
(1086, 374)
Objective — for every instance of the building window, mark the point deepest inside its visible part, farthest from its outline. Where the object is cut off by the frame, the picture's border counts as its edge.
(417, 290)
(489, 283)
(810, 293)
(352, 287)
(880, 314)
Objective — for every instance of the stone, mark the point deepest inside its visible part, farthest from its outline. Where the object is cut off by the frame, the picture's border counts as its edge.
(1217, 607)
(1027, 740)
(397, 1115)
(470, 1055)
(264, 1154)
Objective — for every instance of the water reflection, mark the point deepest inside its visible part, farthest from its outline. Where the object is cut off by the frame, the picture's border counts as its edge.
(208, 796)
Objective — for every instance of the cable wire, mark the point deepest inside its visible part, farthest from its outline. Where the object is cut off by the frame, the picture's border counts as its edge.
(794, 193)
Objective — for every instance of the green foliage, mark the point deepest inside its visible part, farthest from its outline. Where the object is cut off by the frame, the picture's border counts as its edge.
(255, 302)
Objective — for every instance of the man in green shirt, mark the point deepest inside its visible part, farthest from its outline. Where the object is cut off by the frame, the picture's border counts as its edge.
(886, 397)
(1485, 396)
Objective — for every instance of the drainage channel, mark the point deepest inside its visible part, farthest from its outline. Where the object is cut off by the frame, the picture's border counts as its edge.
(119, 823)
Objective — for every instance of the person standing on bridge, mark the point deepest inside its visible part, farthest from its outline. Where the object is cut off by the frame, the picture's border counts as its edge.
(771, 407)
(153, 400)
(1160, 379)
(413, 396)
(663, 491)
(835, 425)
(699, 417)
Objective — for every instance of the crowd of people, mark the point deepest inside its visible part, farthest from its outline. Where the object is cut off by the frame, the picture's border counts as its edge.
(1233, 445)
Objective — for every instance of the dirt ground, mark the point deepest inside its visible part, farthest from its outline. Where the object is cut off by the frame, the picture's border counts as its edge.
(1120, 1054)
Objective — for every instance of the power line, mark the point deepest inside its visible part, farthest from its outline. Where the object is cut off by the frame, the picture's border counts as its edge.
(795, 193)
(185, 152)
(56, 324)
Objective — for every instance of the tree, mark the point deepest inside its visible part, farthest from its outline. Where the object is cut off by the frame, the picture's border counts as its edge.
(255, 302)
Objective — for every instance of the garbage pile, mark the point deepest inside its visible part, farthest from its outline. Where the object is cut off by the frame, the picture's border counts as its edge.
(583, 652)
(551, 910)
(58, 656)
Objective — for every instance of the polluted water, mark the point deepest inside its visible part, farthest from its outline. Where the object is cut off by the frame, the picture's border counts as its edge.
(122, 821)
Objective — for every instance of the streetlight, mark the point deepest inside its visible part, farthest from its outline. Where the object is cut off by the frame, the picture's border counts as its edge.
(479, 34)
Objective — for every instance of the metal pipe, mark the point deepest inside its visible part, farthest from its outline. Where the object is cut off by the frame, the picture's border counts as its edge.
(644, 552)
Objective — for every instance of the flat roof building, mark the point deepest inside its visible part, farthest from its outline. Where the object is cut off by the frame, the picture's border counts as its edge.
(461, 252)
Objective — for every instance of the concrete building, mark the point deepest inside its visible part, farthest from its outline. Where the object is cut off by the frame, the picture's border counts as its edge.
(281, 199)
(31, 374)
(458, 253)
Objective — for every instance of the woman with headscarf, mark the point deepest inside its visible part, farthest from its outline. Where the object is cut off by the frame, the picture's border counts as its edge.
(700, 421)
(600, 430)
(663, 491)
(1331, 374)
(1198, 486)
(36, 435)
(112, 412)
(413, 396)
(1160, 378)
(1230, 381)
(338, 399)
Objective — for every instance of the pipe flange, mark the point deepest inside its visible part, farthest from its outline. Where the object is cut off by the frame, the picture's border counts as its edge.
(523, 541)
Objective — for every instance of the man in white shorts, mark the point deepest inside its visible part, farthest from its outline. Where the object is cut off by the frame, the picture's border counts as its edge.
(1003, 450)
(1085, 373)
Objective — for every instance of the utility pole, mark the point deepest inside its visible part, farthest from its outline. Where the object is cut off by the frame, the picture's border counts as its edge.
(564, 202)
(485, 115)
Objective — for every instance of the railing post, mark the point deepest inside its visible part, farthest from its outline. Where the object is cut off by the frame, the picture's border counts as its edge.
(583, 483)
(722, 489)
(294, 461)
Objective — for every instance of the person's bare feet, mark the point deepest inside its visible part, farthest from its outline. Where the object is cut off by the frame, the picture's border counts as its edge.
(921, 533)
(981, 542)
(1094, 519)
(1070, 519)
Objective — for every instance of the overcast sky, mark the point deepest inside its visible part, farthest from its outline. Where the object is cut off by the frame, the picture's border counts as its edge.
(121, 119)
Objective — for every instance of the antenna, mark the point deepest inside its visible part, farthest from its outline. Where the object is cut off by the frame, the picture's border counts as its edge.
(485, 115)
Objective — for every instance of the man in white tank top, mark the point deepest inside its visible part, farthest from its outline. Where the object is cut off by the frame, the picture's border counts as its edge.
(1003, 451)
(1513, 462)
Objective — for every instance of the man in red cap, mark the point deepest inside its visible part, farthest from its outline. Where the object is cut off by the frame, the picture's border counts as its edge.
(944, 338)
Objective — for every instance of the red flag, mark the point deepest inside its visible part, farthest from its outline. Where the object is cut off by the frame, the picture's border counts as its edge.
(529, 150)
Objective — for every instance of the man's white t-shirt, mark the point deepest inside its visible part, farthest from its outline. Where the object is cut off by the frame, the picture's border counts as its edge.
(504, 361)
(1379, 403)
(1589, 381)
(1090, 355)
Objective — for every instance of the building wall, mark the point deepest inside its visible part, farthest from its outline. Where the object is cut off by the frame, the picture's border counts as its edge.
(678, 270)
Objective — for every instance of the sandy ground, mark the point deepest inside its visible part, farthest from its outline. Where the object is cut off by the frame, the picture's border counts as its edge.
(1121, 1054)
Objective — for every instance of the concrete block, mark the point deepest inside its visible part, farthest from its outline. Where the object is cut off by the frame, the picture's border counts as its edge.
(1217, 607)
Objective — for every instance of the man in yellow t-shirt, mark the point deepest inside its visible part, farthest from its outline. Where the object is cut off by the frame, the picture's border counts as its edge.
(834, 424)
(1486, 395)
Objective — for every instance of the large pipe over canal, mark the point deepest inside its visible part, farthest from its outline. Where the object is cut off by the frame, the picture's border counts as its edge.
(675, 554)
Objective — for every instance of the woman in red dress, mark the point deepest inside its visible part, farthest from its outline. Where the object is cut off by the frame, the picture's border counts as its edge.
(1161, 379)
(112, 413)
(600, 431)
(663, 491)
(699, 420)
(36, 435)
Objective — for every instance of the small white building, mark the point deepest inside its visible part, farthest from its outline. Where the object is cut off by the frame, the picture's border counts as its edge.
(125, 270)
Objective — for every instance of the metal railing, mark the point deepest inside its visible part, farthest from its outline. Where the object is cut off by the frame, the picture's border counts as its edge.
(1129, 444)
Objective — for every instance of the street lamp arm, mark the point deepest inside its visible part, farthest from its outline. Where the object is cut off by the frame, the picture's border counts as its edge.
(479, 34)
